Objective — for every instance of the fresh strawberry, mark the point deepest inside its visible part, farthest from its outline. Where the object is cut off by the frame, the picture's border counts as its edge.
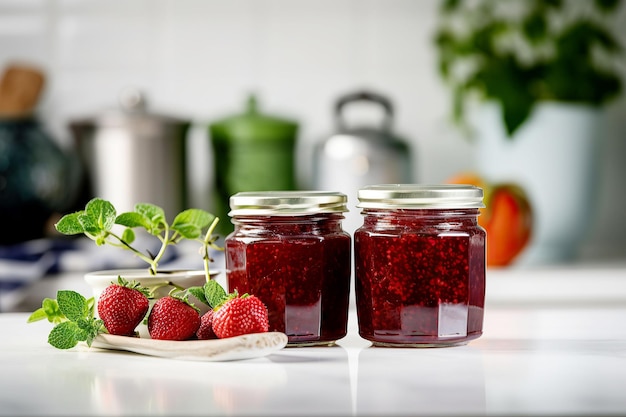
(240, 315)
(205, 331)
(173, 318)
(123, 306)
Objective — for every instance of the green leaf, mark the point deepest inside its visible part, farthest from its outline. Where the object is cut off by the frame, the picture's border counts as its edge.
(91, 306)
(96, 326)
(449, 6)
(128, 236)
(101, 213)
(69, 224)
(154, 214)
(515, 114)
(64, 335)
(37, 315)
(89, 224)
(134, 219)
(214, 293)
(198, 292)
(88, 329)
(535, 27)
(50, 310)
(189, 223)
(72, 304)
(607, 5)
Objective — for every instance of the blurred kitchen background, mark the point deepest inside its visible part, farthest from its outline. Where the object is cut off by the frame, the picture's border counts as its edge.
(193, 64)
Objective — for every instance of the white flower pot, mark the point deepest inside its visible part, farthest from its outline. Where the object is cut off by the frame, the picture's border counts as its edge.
(554, 156)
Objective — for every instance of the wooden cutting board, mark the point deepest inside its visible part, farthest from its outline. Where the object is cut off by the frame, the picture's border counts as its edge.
(20, 88)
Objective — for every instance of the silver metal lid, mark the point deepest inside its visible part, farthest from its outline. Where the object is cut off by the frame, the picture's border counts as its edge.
(415, 196)
(132, 114)
(286, 203)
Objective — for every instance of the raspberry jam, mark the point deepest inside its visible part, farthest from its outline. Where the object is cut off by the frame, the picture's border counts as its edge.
(420, 265)
(289, 249)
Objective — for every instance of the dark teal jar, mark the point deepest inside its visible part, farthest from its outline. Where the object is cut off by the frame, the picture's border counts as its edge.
(251, 152)
(38, 179)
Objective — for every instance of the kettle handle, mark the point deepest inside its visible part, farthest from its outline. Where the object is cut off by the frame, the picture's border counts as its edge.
(364, 96)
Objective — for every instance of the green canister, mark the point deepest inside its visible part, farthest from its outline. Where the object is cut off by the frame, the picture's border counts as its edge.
(251, 152)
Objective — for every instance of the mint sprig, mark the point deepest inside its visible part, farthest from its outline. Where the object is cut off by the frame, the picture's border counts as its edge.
(211, 293)
(73, 316)
(99, 217)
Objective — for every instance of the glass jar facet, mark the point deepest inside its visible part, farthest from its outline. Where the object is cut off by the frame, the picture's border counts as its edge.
(420, 274)
(298, 264)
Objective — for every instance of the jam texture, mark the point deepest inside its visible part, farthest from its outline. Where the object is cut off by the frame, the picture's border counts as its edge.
(420, 277)
(299, 267)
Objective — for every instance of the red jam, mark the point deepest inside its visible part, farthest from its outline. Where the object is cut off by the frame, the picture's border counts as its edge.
(297, 264)
(420, 272)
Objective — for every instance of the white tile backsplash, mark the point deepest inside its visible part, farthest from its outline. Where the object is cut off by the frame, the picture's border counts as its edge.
(199, 59)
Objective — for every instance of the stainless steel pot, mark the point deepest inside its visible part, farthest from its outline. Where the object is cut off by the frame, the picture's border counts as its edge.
(133, 156)
(356, 156)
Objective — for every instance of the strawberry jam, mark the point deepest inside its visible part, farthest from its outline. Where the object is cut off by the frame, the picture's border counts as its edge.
(420, 265)
(289, 249)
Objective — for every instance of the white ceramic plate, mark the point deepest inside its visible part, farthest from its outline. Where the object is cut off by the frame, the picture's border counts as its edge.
(247, 346)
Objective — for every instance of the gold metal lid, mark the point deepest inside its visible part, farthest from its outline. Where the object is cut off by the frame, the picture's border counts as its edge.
(418, 196)
(286, 203)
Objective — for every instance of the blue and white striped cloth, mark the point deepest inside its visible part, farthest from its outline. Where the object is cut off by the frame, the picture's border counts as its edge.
(24, 264)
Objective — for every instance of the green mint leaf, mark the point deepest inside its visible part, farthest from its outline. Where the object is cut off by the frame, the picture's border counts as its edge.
(69, 224)
(37, 315)
(189, 223)
(101, 213)
(89, 224)
(188, 231)
(155, 216)
(134, 219)
(214, 293)
(64, 335)
(51, 311)
(91, 306)
(128, 236)
(88, 329)
(198, 292)
(96, 327)
(73, 305)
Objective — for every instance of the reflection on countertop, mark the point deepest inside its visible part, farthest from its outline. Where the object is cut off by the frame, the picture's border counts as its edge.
(531, 360)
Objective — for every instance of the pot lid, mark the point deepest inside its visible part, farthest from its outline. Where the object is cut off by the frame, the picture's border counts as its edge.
(132, 110)
(252, 125)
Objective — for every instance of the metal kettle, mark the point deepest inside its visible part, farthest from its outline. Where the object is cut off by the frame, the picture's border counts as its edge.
(354, 157)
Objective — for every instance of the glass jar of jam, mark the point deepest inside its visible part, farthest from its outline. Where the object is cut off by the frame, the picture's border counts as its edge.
(289, 249)
(420, 265)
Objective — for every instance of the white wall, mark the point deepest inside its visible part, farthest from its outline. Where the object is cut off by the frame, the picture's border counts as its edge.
(200, 58)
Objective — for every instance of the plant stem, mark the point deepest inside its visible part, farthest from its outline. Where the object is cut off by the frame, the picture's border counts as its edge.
(205, 245)
(152, 262)
(164, 242)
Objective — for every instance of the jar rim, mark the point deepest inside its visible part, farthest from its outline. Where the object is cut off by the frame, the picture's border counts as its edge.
(420, 196)
(287, 203)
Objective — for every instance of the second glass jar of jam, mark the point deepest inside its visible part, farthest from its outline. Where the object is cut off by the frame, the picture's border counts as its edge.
(289, 249)
(420, 265)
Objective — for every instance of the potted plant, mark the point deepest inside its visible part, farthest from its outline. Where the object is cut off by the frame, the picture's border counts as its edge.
(525, 52)
(529, 81)
(100, 222)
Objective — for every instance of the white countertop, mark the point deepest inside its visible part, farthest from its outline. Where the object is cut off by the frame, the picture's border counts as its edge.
(554, 343)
